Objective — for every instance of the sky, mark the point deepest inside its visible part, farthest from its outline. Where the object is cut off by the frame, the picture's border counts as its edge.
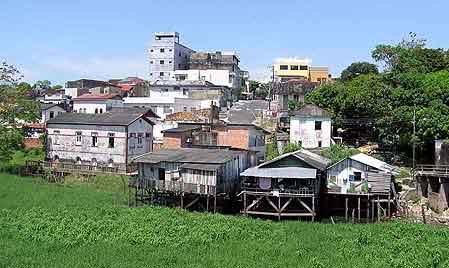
(103, 39)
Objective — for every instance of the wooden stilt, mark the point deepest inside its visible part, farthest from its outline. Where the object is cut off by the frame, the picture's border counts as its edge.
(378, 209)
(207, 203)
(353, 216)
(244, 203)
(367, 210)
(346, 209)
(279, 208)
(182, 200)
(358, 208)
(215, 203)
(313, 208)
(372, 210)
(389, 207)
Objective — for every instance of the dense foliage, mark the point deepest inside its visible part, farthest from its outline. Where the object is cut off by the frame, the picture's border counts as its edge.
(15, 109)
(357, 69)
(44, 225)
(337, 152)
(416, 80)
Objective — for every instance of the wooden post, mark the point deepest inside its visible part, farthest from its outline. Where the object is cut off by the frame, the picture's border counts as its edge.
(346, 209)
(353, 216)
(244, 203)
(313, 208)
(215, 202)
(423, 213)
(207, 202)
(367, 209)
(372, 210)
(279, 208)
(182, 200)
(378, 209)
(389, 206)
(358, 208)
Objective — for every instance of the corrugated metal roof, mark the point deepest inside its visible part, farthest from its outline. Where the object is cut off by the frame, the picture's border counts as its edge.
(189, 155)
(286, 173)
(376, 163)
(311, 110)
(308, 157)
(110, 119)
(208, 167)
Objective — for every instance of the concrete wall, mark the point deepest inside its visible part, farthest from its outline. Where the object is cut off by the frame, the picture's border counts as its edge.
(64, 144)
(53, 111)
(216, 77)
(303, 130)
(174, 55)
(95, 106)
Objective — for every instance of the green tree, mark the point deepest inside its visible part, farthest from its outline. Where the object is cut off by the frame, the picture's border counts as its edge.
(272, 148)
(56, 87)
(294, 105)
(291, 147)
(358, 68)
(338, 152)
(15, 108)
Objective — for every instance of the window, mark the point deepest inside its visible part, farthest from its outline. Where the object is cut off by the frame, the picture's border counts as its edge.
(170, 50)
(185, 108)
(185, 91)
(193, 109)
(151, 62)
(317, 125)
(357, 176)
(161, 74)
(52, 114)
(147, 135)
(151, 50)
(111, 140)
(165, 90)
(283, 67)
(96, 110)
(303, 67)
(319, 144)
(56, 137)
(94, 139)
(169, 61)
(79, 138)
(101, 110)
(139, 140)
(167, 109)
(132, 140)
(179, 65)
(161, 62)
(151, 74)
(203, 78)
(101, 90)
(294, 67)
(162, 50)
(230, 79)
(180, 54)
(296, 97)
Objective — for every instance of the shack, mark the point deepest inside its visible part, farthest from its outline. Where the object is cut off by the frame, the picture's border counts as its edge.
(287, 186)
(188, 177)
(359, 183)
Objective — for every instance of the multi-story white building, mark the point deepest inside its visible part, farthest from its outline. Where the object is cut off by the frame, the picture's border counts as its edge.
(96, 103)
(311, 126)
(166, 55)
(108, 139)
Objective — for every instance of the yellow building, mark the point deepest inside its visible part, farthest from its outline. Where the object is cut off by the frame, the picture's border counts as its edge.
(319, 74)
(291, 68)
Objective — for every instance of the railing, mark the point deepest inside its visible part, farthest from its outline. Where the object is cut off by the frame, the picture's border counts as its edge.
(296, 191)
(432, 170)
(172, 186)
(82, 168)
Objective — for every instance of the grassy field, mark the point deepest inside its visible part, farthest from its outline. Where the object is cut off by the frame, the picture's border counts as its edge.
(89, 225)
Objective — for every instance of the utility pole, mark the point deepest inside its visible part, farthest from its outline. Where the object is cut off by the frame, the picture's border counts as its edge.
(270, 90)
(414, 136)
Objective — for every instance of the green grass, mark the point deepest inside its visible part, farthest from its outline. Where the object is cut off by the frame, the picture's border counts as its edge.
(84, 225)
(19, 158)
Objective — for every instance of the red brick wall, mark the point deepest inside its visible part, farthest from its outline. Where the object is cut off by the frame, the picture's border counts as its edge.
(237, 138)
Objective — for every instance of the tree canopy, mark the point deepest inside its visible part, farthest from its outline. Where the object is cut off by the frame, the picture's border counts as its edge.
(415, 80)
(15, 109)
(358, 68)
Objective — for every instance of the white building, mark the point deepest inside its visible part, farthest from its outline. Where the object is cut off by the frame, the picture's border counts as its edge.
(96, 103)
(311, 126)
(358, 168)
(166, 55)
(49, 111)
(217, 77)
(108, 139)
(162, 106)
